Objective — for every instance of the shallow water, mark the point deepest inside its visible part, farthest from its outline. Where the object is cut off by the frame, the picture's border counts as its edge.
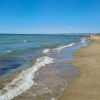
(20, 50)
(48, 79)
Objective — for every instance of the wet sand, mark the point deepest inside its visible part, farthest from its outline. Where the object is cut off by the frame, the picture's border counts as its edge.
(6, 80)
(87, 85)
(48, 85)
(50, 81)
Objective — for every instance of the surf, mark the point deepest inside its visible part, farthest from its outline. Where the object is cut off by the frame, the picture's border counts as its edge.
(58, 49)
(25, 80)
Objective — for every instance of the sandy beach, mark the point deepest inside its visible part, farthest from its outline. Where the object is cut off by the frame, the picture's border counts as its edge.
(82, 82)
(87, 85)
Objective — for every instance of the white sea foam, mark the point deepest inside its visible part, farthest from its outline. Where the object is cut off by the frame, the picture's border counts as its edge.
(8, 51)
(83, 40)
(24, 81)
(62, 47)
(53, 98)
(46, 51)
(58, 49)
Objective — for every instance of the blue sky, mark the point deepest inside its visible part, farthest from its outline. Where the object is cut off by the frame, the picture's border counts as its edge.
(49, 16)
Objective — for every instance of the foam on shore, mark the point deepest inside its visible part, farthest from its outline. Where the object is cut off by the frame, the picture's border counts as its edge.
(24, 81)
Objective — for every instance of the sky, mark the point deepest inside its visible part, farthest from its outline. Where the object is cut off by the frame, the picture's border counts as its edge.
(49, 16)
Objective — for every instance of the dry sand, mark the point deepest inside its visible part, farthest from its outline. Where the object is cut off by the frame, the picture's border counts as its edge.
(87, 85)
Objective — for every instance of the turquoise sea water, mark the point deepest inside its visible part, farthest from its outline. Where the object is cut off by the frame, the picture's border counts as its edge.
(43, 62)
(18, 51)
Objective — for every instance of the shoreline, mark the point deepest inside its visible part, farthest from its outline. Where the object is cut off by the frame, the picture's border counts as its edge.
(27, 93)
(87, 85)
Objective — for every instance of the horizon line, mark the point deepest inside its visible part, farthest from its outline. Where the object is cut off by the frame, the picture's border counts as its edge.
(56, 33)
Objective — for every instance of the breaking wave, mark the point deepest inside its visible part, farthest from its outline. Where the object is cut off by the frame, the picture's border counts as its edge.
(58, 49)
(45, 51)
(83, 40)
(25, 80)
(7, 51)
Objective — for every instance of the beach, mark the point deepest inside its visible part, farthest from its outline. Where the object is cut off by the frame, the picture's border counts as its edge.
(37, 67)
(87, 85)
(65, 78)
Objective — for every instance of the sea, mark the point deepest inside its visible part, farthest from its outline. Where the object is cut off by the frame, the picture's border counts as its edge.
(43, 61)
